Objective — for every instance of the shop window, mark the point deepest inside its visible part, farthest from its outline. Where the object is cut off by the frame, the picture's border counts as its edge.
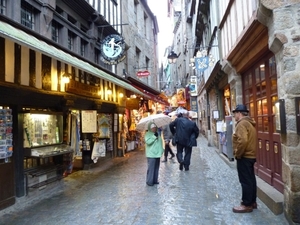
(41, 129)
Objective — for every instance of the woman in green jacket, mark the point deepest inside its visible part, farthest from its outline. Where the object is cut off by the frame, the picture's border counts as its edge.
(154, 150)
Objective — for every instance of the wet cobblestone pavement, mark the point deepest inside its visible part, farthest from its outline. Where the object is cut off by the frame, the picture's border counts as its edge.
(203, 195)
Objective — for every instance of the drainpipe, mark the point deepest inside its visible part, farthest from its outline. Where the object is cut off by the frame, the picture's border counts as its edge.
(209, 136)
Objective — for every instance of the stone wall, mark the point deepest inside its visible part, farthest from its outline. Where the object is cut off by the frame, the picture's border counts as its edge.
(284, 40)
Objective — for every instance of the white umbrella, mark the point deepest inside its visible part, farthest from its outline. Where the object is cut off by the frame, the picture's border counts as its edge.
(159, 119)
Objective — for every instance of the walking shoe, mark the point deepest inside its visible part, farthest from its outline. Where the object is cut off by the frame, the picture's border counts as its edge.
(149, 184)
(254, 205)
(181, 166)
(242, 209)
(156, 182)
(172, 157)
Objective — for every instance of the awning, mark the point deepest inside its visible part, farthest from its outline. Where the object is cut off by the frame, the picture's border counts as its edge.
(19, 36)
(150, 96)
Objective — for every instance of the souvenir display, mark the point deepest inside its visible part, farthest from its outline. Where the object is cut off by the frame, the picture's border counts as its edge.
(6, 136)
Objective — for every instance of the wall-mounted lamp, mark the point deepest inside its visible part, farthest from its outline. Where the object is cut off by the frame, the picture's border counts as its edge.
(65, 78)
(109, 91)
(121, 95)
(172, 57)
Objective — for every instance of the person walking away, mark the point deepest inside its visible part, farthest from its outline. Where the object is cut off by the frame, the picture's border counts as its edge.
(154, 151)
(186, 133)
(167, 135)
(244, 146)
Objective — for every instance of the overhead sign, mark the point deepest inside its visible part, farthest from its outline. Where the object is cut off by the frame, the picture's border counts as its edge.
(145, 73)
(112, 49)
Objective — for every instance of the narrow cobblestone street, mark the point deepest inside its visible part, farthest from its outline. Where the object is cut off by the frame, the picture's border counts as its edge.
(204, 195)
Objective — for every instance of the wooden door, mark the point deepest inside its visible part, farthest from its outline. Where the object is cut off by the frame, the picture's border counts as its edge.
(7, 187)
(260, 88)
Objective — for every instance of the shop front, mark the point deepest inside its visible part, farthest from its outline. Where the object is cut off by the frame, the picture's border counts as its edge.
(54, 108)
(257, 89)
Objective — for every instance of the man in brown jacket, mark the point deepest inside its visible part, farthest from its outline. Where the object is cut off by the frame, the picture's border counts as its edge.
(244, 147)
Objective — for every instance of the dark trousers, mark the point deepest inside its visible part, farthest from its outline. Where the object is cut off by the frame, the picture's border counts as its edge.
(167, 150)
(152, 171)
(187, 155)
(245, 169)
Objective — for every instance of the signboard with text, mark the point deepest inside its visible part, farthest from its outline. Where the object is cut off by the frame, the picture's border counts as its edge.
(145, 73)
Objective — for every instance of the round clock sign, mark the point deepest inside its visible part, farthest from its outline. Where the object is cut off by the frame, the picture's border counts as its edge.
(112, 49)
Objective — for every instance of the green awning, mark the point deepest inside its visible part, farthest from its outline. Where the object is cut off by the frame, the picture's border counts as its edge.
(19, 36)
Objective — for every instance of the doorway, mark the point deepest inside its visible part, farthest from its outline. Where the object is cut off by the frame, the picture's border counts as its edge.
(260, 96)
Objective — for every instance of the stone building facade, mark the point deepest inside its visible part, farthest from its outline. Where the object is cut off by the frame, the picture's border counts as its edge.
(256, 64)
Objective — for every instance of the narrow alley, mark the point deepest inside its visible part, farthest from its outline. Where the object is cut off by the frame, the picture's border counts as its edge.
(119, 195)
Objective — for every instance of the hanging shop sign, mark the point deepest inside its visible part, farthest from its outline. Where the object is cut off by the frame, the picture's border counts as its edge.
(181, 98)
(145, 73)
(193, 86)
(202, 61)
(112, 49)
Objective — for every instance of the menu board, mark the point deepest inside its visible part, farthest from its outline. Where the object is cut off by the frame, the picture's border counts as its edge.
(6, 136)
(89, 121)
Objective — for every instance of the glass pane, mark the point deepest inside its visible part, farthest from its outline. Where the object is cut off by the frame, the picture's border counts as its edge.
(251, 109)
(265, 106)
(259, 110)
(266, 124)
(273, 85)
(274, 124)
(257, 78)
(258, 94)
(262, 71)
(272, 66)
(274, 99)
(246, 83)
(250, 79)
(263, 88)
(247, 96)
(250, 95)
(259, 124)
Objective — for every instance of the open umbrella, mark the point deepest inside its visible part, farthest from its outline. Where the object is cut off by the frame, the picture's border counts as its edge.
(159, 119)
